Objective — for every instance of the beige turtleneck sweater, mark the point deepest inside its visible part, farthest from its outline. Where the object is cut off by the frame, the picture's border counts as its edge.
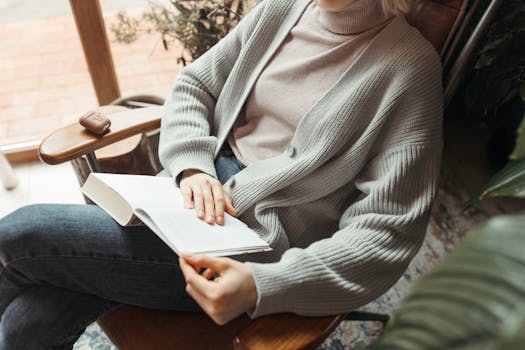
(319, 48)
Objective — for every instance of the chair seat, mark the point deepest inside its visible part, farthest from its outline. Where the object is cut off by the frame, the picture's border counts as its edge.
(136, 328)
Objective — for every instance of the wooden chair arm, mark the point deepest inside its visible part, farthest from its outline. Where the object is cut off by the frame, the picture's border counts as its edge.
(285, 331)
(74, 141)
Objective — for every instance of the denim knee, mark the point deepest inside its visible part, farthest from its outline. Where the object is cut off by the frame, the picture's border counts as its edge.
(14, 334)
(24, 229)
(28, 332)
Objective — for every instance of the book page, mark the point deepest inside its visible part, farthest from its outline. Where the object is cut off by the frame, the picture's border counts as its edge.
(189, 234)
(159, 204)
(145, 191)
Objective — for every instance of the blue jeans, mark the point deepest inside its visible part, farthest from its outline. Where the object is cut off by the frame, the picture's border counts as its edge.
(64, 266)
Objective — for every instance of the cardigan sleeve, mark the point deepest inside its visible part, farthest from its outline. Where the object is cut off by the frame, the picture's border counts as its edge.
(378, 236)
(185, 138)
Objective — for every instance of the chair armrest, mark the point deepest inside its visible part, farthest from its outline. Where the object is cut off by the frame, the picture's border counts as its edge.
(285, 331)
(74, 141)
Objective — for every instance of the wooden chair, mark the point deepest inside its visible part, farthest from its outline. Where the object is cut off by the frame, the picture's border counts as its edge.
(443, 22)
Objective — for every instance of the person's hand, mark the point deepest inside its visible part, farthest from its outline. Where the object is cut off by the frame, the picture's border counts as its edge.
(206, 194)
(231, 292)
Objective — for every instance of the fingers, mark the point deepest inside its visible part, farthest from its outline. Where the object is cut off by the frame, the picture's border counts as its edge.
(229, 206)
(208, 274)
(209, 204)
(224, 297)
(187, 195)
(219, 202)
(210, 201)
(189, 271)
(198, 297)
(215, 311)
(206, 261)
(205, 272)
(198, 201)
(193, 279)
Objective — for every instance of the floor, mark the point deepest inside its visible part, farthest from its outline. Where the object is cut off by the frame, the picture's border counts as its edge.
(41, 183)
(44, 81)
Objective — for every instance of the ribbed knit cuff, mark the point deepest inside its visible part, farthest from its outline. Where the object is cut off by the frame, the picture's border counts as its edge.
(271, 281)
(196, 159)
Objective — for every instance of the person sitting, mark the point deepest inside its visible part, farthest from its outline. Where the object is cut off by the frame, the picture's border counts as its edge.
(317, 123)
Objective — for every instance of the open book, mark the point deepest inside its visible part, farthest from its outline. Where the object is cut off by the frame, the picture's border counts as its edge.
(158, 203)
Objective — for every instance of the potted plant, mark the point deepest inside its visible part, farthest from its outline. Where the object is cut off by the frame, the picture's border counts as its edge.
(474, 299)
(196, 24)
(496, 94)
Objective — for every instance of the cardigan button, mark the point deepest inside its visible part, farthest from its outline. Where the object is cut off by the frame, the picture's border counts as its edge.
(290, 151)
(232, 182)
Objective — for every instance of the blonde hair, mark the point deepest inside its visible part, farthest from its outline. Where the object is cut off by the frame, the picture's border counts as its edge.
(397, 6)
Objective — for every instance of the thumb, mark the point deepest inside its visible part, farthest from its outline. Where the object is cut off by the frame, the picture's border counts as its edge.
(215, 263)
(229, 206)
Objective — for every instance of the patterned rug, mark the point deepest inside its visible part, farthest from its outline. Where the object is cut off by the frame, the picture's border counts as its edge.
(447, 228)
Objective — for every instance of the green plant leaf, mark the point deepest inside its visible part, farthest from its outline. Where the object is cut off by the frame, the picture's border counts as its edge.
(515, 337)
(509, 181)
(500, 61)
(474, 299)
(519, 150)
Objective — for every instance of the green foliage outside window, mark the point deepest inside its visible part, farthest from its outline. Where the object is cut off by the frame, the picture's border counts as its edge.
(196, 24)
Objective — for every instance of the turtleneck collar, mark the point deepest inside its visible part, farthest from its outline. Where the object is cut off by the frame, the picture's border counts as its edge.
(358, 17)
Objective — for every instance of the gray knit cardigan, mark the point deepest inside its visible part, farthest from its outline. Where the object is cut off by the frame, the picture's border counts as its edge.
(346, 206)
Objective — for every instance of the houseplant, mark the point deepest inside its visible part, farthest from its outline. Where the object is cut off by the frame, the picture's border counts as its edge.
(474, 299)
(196, 24)
(497, 83)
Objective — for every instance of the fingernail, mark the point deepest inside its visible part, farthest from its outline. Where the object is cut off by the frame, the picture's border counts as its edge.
(219, 219)
(209, 218)
(200, 213)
